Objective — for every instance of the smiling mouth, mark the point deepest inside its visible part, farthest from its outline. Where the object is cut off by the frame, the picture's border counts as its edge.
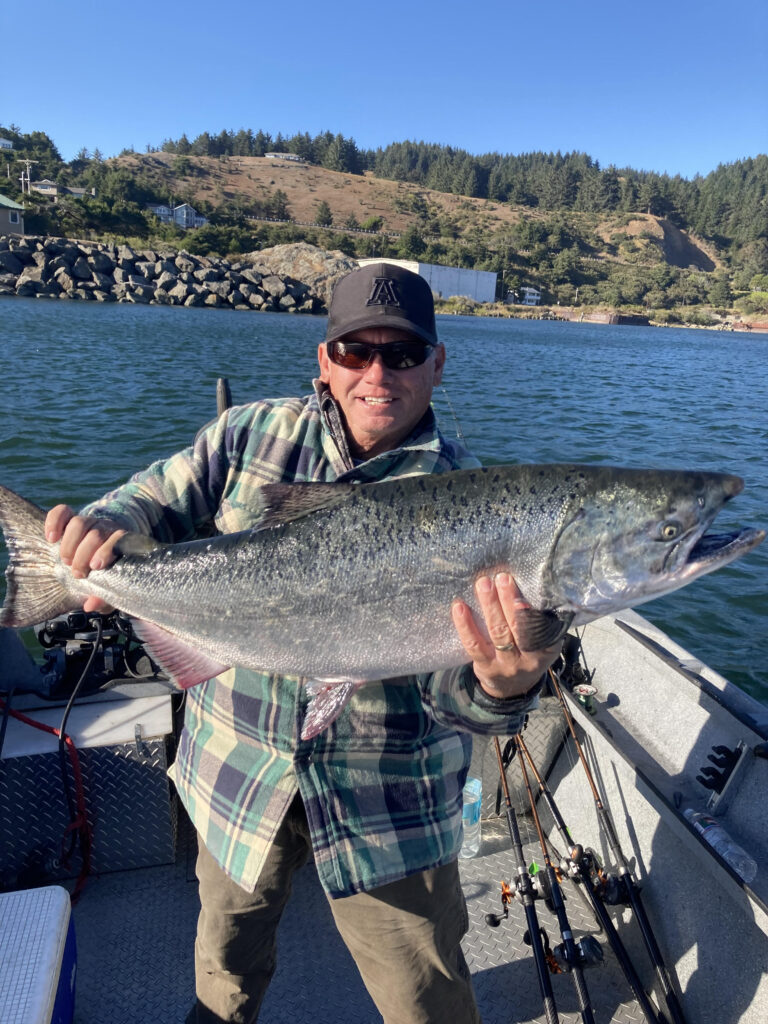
(376, 401)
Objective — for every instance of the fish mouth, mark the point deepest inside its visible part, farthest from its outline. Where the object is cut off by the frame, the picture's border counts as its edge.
(712, 550)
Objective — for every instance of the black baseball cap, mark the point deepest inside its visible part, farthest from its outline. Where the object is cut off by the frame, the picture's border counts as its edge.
(382, 295)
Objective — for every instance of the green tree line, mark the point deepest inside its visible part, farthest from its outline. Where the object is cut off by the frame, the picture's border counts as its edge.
(554, 247)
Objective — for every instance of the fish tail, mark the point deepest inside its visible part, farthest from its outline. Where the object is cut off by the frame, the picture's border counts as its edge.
(34, 592)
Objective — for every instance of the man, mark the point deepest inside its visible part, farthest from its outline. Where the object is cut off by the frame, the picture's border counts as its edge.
(375, 798)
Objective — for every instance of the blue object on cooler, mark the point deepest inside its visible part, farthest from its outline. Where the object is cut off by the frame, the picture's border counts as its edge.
(470, 818)
(38, 957)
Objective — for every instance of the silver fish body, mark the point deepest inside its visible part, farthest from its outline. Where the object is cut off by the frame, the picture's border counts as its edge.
(355, 582)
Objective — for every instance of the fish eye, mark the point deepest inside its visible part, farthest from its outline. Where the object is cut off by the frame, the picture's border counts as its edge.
(670, 530)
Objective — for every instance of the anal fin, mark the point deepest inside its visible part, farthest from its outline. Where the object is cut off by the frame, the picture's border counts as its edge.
(329, 698)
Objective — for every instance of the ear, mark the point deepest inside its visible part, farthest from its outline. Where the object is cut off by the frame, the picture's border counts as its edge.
(439, 364)
(325, 363)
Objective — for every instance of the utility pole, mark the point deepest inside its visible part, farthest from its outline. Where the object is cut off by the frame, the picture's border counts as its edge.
(28, 164)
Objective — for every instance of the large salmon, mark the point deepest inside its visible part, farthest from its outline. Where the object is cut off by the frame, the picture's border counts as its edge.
(345, 583)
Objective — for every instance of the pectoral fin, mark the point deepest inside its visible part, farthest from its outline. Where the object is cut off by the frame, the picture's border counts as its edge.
(536, 630)
(184, 665)
(329, 698)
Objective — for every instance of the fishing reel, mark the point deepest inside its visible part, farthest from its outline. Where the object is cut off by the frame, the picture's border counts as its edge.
(589, 953)
(494, 920)
(71, 641)
(585, 864)
(571, 670)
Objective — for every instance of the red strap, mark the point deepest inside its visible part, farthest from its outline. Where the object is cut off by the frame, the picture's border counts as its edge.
(81, 821)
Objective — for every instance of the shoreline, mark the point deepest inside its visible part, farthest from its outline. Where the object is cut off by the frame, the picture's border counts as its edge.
(37, 266)
(613, 316)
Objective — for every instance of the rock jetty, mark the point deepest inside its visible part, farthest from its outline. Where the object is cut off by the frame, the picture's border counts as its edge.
(268, 280)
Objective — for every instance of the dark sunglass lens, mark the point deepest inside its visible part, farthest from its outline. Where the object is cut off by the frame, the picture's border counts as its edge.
(398, 355)
(350, 354)
(402, 355)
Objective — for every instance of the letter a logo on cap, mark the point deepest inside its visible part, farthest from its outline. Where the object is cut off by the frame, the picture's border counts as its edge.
(383, 293)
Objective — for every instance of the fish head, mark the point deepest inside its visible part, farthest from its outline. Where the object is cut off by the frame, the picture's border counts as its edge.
(632, 535)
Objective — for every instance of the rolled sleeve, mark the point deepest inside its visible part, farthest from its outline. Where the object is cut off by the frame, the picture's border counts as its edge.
(455, 698)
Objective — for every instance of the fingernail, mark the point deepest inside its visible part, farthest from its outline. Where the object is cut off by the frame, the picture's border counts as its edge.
(502, 579)
(50, 536)
(485, 584)
(97, 563)
(78, 574)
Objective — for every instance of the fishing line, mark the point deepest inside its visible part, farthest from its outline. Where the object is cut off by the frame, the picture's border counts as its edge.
(457, 425)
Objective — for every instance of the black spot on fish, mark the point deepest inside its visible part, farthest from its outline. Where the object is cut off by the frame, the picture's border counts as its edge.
(532, 490)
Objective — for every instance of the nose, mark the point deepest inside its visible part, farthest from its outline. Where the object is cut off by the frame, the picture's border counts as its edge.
(376, 369)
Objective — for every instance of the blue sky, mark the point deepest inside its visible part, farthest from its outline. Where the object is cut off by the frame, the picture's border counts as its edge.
(673, 86)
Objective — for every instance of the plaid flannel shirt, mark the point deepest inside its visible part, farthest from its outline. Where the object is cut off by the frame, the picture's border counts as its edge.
(382, 785)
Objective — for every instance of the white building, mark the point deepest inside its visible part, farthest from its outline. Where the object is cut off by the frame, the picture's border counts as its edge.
(530, 296)
(479, 285)
(6, 144)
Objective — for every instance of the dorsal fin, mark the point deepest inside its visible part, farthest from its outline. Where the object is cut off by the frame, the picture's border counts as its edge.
(282, 503)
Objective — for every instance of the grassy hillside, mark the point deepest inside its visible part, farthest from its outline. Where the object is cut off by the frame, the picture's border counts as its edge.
(618, 260)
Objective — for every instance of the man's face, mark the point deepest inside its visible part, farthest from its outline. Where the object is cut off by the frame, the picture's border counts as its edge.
(381, 406)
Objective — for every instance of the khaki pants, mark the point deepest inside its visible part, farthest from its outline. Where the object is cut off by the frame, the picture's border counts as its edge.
(404, 937)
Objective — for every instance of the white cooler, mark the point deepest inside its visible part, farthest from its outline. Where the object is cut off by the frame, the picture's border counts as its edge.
(38, 958)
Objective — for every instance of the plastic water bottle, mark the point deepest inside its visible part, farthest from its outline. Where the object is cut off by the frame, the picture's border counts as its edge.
(470, 818)
(721, 842)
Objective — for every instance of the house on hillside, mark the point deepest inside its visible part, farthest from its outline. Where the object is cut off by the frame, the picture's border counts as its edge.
(479, 285)
(291, 157)
(11, 217)
(184, 215)
(53, 190)
(6, 144)
(524, 297)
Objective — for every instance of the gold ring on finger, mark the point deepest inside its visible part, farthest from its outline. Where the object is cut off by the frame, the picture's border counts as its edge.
(506, 647)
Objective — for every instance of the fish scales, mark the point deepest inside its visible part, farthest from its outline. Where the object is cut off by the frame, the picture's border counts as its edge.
(356, 581)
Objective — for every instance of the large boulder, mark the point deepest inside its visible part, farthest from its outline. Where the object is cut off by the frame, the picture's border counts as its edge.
(10, 263)
(317, 268)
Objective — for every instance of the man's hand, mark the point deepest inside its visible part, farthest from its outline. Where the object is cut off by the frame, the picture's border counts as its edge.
(501, 673)
(86, 543)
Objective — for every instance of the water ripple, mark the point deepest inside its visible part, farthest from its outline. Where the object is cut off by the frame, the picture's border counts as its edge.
(90, 393)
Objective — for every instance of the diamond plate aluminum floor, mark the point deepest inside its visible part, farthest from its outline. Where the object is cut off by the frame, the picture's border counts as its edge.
(135, 935)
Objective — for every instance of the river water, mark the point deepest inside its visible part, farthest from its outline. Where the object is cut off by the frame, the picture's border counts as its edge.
(90, 393)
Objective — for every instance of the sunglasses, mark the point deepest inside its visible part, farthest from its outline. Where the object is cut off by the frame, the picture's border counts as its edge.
(397, 355)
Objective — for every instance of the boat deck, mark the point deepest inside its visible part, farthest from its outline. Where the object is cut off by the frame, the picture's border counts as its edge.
(135, 936)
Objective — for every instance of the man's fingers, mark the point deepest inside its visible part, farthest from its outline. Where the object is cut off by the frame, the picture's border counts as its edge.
(469, 634)
(56, 521)
(86, 543)
(499, 601)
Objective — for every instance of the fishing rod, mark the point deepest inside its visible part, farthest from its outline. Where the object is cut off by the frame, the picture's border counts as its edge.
(573, 956)
(582, 866)
(535, 935)
(628, 889)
